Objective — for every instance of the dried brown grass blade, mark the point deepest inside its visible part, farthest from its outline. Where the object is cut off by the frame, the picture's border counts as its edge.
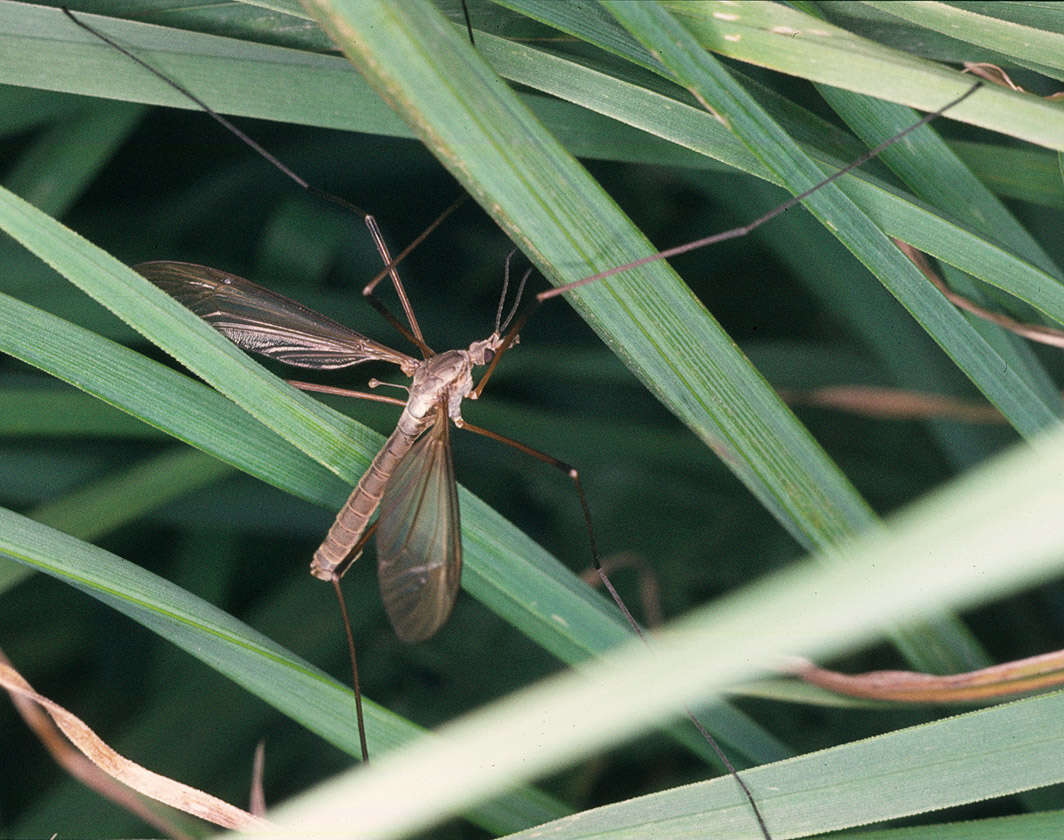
(1035, 332)
(121, 769)
(996, 76)
(884, 403)
(78, 766)
(257, 800)
(1009, 678)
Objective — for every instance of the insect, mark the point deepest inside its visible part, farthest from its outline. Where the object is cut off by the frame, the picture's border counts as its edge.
(411, 480)
(433, 427)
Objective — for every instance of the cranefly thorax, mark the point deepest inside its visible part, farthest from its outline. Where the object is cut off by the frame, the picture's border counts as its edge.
(445, 377)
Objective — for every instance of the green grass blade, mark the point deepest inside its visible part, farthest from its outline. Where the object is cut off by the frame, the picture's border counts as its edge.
(1038, 46)
(1044, 825)
(792, 42)
(228, 71)
(989, 754)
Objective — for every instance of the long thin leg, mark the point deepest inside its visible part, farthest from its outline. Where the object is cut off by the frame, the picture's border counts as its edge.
(352, 557)
(743, 230)
(354, 669)
(344, 392)
(649, 585)
(275, 162)
(571, 471)
(408, 310)
(338, 573)
(468, 22)
(384, 272)
(573, 474)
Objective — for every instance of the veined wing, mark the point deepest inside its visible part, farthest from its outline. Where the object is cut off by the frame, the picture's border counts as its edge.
(260, 321)
(419, 541)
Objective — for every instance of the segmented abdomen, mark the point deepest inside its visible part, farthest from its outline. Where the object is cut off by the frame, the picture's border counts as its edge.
(354, 516)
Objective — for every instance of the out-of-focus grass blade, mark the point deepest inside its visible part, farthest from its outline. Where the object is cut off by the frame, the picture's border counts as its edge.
(62, 412)
(104, 505)
(1026, 174)
(77, 148)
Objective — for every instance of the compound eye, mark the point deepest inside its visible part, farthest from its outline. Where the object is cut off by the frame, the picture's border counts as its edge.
(489, 355)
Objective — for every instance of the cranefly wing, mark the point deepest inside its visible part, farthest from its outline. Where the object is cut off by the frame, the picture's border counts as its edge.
(419, 542)
(261, 321)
